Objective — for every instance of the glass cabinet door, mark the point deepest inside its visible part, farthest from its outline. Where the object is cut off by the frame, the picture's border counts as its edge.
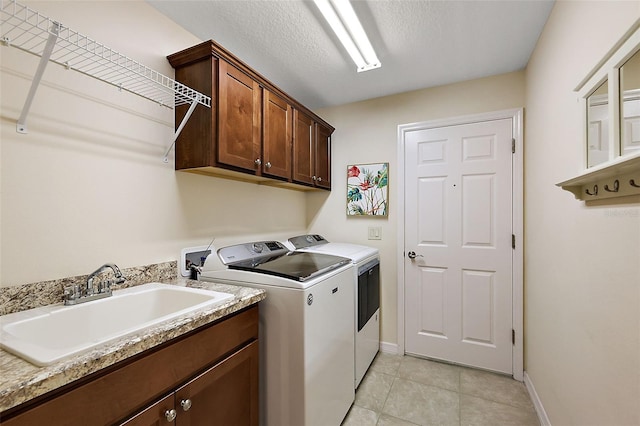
(630, 105)
(598, 126)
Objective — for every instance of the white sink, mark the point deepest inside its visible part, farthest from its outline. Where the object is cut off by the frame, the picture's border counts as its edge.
(51, 333)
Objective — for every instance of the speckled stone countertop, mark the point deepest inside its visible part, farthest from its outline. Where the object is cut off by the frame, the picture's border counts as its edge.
(21, 381)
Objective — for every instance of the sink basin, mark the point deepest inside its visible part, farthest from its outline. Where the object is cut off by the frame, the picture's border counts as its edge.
(49, 334)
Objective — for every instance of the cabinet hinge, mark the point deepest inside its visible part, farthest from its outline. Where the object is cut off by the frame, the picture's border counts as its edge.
(513, 146)
(513, 241)
(513, 336)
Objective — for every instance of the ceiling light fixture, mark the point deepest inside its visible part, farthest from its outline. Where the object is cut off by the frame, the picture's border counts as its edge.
(344, 22)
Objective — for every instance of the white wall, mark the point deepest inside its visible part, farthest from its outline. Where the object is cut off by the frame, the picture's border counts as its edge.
(366, 132)
(582, 263)
(87, 184)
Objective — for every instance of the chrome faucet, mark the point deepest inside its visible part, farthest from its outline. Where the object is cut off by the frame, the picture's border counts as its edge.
(74, 294)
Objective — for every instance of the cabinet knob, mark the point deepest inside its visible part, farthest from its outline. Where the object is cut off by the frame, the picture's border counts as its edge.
(319, 179)
(268, 165)
(170, 415)
(258, 161)
(185, 404)
(313, 178)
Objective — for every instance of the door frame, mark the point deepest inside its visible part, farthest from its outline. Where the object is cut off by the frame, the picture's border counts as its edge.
(517, 215)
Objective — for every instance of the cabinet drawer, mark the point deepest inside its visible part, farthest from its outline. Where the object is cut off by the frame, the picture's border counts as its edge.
(132, 384)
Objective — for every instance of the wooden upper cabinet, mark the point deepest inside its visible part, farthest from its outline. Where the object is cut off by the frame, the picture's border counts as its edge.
(254, 131)
(303, 143)
(311, 152)
(239, 119)
(277, 122)
(323, 156)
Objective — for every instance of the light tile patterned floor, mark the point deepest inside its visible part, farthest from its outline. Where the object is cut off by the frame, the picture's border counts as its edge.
(406, 391)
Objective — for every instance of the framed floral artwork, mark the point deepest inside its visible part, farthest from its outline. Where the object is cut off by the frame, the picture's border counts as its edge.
(368, 189)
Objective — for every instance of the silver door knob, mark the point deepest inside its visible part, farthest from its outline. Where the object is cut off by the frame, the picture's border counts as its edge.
(258, 162)
(185, 404)
(268, 165)
(170, 415)
(412, 255)
(319, 179)
(313, 178)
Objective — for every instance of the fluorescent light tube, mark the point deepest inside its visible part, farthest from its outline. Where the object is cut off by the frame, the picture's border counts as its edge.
(344, 22)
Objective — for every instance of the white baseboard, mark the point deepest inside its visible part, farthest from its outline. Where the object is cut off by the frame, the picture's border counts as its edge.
(389, 348)
(542, 415)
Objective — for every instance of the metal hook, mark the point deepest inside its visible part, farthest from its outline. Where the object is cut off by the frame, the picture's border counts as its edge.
(633, 183)
(616, 186)
(595, 190)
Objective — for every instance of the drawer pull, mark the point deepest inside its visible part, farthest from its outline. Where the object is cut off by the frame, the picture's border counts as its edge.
(185, 404)
(170, 415)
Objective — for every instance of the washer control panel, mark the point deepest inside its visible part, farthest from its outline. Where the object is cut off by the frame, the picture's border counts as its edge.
(251, 251)
(303, 241)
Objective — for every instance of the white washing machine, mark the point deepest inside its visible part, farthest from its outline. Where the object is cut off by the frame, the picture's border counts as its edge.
(367, 293)
(306, 329)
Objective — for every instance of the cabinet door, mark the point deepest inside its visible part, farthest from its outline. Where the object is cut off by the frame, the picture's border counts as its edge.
(239, 119)
(226, 394)
(323, 157)
(303, 143)
(276, 143)
(158, 414)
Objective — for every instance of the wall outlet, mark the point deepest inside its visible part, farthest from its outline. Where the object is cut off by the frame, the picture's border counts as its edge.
(192, 256)
(375, 232)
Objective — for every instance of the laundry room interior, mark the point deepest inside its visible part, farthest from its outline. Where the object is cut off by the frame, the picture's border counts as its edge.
(86, 185)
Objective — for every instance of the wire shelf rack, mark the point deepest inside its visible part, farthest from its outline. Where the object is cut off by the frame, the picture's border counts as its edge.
(32, 32)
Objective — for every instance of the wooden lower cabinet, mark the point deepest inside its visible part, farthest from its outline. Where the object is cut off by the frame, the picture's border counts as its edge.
(214, 367)
(225, 395)
(160, 413)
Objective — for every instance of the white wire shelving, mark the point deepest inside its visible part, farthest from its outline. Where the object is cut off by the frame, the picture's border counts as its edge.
(32, 32)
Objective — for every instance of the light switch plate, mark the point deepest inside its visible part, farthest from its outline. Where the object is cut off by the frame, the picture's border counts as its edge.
(375, 232)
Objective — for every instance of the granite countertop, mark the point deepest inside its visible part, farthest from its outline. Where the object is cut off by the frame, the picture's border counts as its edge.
(22, 381)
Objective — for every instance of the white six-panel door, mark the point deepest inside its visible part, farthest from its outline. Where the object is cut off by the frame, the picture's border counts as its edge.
(458, 222)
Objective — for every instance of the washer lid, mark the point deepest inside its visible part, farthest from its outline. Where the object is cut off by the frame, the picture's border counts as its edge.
(355, 252)
(299, 266)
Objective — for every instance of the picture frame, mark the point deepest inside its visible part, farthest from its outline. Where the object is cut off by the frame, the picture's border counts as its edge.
(368, 190)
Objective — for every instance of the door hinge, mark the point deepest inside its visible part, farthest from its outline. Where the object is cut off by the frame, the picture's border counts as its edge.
(513, 336)
(513, 241)
(513, 146)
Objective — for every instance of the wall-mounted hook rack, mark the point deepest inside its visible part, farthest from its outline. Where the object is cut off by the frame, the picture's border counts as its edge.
(39, 35)
(612, 177)
(616, 186)
(595, 191)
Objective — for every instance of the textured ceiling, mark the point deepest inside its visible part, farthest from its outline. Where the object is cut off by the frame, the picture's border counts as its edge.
(420, 43)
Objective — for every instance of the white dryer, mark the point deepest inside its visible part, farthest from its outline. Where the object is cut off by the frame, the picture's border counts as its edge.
(306, 329)
(367, 293)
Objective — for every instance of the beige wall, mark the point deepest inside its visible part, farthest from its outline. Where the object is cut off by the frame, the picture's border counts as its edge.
(366, 132)
(87, 185)
(582, 263)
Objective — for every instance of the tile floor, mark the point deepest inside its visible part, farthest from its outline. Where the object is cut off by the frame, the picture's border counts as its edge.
(404, 391)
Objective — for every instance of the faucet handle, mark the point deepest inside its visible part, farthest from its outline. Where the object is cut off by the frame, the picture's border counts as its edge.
(71, 292)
